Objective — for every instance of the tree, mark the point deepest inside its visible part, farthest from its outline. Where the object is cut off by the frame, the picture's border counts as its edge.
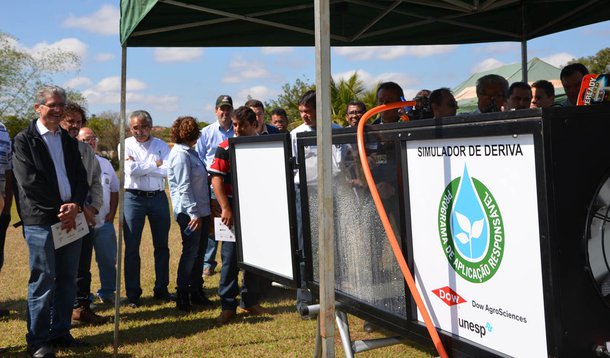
(600, 63)
(107, 128)
(15, 124)
(342, 94)
(289, 99)
(21, 73)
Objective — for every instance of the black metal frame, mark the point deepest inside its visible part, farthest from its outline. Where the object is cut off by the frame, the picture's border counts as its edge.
(523, 122)
(290, 192)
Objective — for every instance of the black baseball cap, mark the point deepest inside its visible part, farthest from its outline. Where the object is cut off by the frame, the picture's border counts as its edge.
(224, 100)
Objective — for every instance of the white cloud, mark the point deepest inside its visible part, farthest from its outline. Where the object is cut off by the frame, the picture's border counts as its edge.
(44, 50)
(78, 82)
(178, 54)
(241, 70)
(105, 21)
(370, 81)
(486, 65)
(499, 48)
(108, 92)
(276, 50)
(362, 53)
(104, 57)
(113, 84)
(73, 45)
(388, 53)
(559, 59)
(262, 93)
(403, 79)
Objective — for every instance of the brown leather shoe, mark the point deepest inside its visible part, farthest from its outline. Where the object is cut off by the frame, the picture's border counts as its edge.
(85, 315)
(255, 310)
(225, 316)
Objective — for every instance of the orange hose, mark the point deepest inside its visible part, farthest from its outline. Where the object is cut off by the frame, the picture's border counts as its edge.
(388, 228)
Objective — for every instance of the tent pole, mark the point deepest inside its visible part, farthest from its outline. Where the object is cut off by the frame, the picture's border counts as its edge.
(523, 43)
(121, 154)
(325, 194)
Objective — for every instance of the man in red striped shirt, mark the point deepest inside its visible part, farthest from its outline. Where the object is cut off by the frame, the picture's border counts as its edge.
(244, 124)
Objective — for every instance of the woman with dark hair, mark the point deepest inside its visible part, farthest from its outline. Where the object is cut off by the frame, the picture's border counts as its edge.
(189, 190)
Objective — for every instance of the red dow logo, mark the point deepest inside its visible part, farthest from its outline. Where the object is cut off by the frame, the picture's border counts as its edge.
(449, 296)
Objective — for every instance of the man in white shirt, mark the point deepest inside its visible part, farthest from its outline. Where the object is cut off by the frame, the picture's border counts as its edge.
(145, 171)
(104, 236)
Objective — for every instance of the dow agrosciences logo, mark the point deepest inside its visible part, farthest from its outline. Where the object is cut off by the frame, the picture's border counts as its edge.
(471, 228)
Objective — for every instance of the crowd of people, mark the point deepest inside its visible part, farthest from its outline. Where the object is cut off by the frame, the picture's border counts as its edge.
(57, 179)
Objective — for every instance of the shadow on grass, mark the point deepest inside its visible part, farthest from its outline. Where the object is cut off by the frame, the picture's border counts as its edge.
(16, 308)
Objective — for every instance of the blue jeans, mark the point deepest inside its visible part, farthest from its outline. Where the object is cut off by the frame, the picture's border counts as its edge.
(104, 243)
(137, 208)
(190, 266)
(52, 285)
(209, 259)
(228, 287)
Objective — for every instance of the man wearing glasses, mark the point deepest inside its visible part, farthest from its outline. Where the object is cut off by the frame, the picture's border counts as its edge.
(104, 236)
(52, 188)
(73, 120)
(492, 93)
(355, 110)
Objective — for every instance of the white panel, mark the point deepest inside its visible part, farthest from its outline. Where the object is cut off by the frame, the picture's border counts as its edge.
(263, 207)
(479, 194)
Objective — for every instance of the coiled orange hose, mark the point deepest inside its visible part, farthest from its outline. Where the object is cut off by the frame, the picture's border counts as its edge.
(388, 228)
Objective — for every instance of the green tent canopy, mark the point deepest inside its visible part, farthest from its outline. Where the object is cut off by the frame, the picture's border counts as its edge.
(222, 23)
(465, 92)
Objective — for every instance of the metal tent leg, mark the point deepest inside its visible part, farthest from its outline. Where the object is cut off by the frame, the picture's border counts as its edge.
(317, 350)
(343, 326)
(349, 347)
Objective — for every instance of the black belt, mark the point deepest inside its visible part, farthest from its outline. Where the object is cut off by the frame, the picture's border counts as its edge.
(148, 194)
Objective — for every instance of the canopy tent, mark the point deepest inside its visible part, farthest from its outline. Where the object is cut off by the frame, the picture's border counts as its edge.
(465, 92)
(325, 23)
(221, 23)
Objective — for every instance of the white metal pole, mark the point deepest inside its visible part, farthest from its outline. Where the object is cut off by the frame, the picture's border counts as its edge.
(119, 251)
(325, 194)
(523, 43)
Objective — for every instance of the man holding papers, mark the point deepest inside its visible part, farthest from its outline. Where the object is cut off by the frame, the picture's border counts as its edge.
(244, 124)
(51, 188)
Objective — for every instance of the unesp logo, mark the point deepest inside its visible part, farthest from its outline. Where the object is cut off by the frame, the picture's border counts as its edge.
(471, 229)
(449, 296)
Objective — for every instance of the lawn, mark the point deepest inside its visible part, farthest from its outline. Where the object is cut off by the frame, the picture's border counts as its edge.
(158, 329)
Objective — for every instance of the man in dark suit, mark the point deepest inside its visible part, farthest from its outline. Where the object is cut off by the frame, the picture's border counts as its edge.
(51, 188)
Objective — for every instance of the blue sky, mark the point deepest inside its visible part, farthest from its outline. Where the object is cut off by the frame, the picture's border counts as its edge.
(170, 82)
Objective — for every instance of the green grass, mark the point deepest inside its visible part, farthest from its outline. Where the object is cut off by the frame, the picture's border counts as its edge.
(159, 330)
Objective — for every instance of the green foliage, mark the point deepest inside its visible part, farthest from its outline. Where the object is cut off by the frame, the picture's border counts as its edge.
(342, 92)
(107, 128)
(289, 98)
(600, 63)
(15, 124)
(162, 133)
(202, 124)
(21, 73)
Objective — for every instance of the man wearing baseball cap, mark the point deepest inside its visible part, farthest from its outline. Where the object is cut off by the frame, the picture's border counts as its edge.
(211, 137)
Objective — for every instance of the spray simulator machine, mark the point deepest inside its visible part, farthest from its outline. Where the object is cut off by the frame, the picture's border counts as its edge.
(503, 219)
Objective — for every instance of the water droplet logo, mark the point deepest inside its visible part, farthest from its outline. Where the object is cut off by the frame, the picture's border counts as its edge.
(471, 228)
(468, 221)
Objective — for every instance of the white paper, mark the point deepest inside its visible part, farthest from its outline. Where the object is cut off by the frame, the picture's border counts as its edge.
(61, 237)
(222, 232)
